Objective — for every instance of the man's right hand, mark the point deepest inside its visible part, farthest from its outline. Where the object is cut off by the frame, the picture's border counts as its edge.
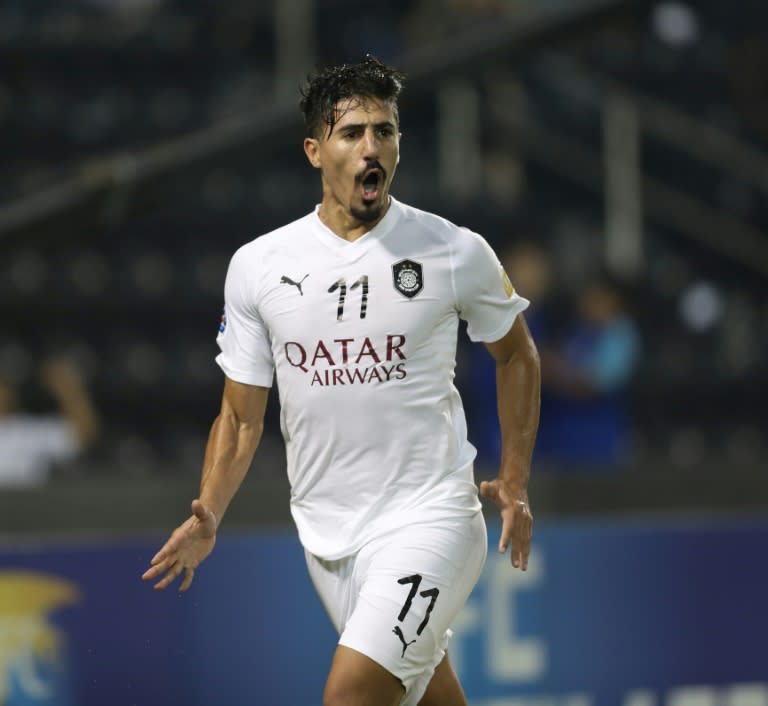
(184, 551)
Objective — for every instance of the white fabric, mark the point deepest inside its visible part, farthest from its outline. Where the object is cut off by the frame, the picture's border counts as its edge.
(374, 428)
(367, 595)
(30, 445)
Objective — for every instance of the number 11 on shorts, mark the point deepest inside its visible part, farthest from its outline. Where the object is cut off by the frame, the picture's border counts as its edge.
(431, 593)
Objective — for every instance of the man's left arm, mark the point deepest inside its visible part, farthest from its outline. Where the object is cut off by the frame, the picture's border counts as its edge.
(518, 384)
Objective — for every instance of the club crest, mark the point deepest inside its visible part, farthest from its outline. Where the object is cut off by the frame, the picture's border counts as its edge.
(408, 278)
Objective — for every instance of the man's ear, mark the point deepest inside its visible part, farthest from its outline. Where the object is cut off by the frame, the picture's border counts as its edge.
(312, 150)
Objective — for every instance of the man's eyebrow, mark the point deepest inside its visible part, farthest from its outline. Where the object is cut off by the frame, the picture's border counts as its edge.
(362, 126)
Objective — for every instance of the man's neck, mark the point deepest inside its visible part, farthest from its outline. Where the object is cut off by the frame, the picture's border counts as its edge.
(344, 224)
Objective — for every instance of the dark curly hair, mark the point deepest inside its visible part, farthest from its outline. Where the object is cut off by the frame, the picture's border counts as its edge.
(322, 91)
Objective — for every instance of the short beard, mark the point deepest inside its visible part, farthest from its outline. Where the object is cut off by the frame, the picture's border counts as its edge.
(368, 215)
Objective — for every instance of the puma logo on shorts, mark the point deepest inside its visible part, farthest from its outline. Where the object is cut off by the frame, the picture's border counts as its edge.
(399, 633)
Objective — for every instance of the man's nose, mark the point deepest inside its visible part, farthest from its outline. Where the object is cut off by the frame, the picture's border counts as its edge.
(370, 144)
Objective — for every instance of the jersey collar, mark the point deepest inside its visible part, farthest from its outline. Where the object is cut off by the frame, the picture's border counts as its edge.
(353, 250)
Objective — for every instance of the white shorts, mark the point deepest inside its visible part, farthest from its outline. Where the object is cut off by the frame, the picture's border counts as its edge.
(395, 600)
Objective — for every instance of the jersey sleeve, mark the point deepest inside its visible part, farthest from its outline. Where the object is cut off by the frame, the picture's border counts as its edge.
(246, 351)
(485, 297)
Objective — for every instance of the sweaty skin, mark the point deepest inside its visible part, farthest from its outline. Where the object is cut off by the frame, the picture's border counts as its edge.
(364, 140)
(362, 147)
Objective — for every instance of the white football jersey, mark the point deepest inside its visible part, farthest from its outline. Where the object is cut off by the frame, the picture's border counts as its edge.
(363, 338)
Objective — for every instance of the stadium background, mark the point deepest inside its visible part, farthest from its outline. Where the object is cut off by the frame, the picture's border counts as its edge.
(144, 140)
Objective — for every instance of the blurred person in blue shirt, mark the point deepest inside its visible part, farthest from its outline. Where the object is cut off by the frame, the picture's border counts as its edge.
(585, 415)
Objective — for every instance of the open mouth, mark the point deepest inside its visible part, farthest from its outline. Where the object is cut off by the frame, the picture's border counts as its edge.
(371, 184)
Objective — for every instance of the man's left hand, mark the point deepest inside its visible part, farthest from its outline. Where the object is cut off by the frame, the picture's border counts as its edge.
(516, 519)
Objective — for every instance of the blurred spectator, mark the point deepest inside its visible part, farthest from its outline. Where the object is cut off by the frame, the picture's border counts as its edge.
(32, 445)
(585, 418)
(530, 269)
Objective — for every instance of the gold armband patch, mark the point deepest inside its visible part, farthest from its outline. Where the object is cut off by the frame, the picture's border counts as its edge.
(508, 288)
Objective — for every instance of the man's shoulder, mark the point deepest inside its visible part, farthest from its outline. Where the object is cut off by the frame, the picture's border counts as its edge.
(435, 224)
(286, 237)
(464, 246)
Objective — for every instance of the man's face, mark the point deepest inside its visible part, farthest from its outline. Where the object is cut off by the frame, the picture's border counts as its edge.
(358, 157)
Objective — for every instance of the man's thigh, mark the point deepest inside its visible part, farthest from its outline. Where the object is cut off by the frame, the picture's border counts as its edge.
(356, 680)
(444, 688)
(412, 586)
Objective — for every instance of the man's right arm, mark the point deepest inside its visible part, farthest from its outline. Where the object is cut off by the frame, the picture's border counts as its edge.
(234, 436)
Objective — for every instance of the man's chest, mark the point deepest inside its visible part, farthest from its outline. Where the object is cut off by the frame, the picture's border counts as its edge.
(381, 294)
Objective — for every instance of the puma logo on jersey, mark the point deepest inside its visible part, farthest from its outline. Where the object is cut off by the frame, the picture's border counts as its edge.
(288, 280)
(399, 633)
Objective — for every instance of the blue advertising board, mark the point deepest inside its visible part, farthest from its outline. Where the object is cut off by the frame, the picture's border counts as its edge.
(610, 613)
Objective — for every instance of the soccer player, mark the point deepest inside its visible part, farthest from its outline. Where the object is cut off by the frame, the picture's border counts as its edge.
(356, 307)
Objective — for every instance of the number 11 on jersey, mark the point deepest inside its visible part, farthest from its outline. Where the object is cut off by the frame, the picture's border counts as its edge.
(341, 285)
